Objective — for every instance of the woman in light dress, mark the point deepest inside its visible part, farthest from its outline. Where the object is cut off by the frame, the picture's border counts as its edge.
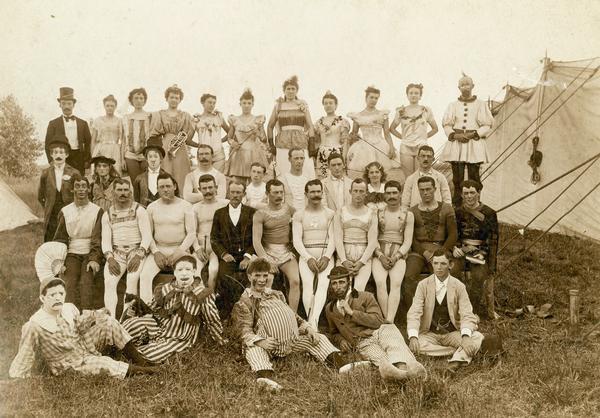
(290, 126)
(331, 133)
(209, 124)
(374, 142)
(108, 133)
(167, 124)
(415, 121)
(247, 140)
(137, 132)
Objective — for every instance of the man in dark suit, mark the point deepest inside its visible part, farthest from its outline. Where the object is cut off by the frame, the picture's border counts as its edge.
(145, 186)
(55, 189)
(231, 241)
(76, 131)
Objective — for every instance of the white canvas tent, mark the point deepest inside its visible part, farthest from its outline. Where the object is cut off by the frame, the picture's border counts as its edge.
(13, 211)
(563, 111)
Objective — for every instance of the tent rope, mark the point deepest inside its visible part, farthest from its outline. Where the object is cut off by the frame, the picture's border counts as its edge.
(489, 172)
(551, 203)
(546, 108)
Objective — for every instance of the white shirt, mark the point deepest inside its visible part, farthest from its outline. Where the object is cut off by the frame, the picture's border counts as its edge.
(58, 172)
(234, 213)
(296, 189)
(338, 184)
(153, 180)
(71, 133)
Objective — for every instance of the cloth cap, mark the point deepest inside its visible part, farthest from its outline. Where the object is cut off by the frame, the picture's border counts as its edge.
(45, 282)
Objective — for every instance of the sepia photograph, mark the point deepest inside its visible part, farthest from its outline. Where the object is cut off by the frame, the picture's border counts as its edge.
(320, 208)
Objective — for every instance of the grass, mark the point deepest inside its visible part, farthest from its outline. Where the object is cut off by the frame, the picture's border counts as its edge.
(545, 372)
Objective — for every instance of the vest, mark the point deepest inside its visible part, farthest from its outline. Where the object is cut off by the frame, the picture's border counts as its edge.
(440, 320)
(80, 223)
(124, 224)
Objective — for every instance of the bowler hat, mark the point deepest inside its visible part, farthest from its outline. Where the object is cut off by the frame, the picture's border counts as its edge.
(154, 143)
(102, 159)
(66, 93)
(59, 139)
(339, 272)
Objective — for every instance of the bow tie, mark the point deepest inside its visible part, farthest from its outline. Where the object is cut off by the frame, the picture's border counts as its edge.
(68, 118)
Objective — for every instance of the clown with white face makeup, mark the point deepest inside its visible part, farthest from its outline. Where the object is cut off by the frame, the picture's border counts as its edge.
(177, 310)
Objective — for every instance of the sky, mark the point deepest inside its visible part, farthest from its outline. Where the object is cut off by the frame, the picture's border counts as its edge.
(221, 47)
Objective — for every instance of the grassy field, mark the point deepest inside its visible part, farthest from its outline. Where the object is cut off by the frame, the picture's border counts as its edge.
(545, 372)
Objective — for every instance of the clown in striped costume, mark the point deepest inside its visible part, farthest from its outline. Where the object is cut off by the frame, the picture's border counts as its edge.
(178, 308)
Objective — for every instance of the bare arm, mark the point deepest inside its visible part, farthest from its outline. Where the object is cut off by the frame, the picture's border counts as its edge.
(257, 233)
(395, 124)
(271, 126)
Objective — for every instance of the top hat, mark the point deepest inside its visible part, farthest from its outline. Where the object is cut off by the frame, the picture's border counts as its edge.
(59, 139)
(66, 93)
(102, 159)
(154, 143)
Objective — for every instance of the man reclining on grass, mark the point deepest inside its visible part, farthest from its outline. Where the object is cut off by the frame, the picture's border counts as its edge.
(269, 327)
(355, 321)
(68, 340)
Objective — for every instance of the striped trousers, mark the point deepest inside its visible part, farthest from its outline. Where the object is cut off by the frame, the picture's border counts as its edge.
(386, 344)
(260, 359)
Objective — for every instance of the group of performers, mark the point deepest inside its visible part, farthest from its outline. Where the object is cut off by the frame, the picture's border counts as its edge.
(313, 209)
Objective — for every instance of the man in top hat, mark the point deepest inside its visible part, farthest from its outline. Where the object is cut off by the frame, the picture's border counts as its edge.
(467, 123)
(441, 321)
(101, 189)
(80, 227)
(68, 340)
(355, 322)
(76, 131)
(145, 185)
(54, 190)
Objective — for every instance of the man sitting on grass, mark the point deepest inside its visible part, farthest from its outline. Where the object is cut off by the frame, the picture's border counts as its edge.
(68, 340)
(269, 328)
(355, 321)
(441, 321)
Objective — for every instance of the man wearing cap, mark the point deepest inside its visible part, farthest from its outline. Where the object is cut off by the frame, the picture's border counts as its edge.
(231, 241)
(54, 190)
(173, 229)
(80, 227)
(467, 122)
(355, 322)
(68, 340)
(76, 131)
(177, 309)
(101, 192)
(205, 166)
(126, 237)
(268, 328)
(477, 248)
(440, 321)
(145, 189)
(410, 194)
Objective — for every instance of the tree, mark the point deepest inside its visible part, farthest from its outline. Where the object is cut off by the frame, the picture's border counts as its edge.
(18, 140)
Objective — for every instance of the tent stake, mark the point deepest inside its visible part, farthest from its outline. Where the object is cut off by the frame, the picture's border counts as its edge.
(574, 311)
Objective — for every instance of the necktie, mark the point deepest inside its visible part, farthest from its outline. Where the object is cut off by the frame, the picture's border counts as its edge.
(68, 118)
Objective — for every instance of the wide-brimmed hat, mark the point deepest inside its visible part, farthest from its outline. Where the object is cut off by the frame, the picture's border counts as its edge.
(339, 272)
(66, 93)
(154, 143)
(102, 159)
(59, 139)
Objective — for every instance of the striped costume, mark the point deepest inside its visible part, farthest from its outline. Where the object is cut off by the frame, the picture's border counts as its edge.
(71, 341)
(259, 316)
(174, 325)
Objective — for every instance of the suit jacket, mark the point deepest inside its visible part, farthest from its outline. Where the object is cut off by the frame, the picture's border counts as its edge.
(222, 232)
(140, 189)
(329, 193)
(459, 306)
(84, 137)
(47, 190)
(364, 321)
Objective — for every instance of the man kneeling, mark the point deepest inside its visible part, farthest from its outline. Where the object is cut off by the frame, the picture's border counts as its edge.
(441, 321)
(67, 340)
(269, 327)
(355, 321)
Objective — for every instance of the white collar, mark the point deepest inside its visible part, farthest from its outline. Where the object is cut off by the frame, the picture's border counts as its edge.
(439, 284)
(428, 173)
(150, 171)
(59, 167)
(49, 323)
(238, 209)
